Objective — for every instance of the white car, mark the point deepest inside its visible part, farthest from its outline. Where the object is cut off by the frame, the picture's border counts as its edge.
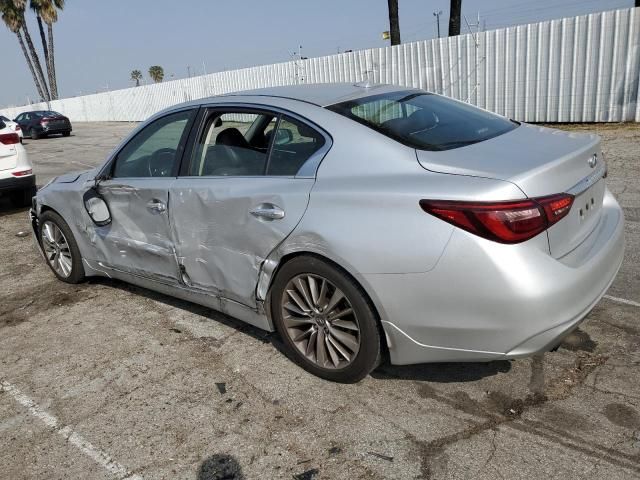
(13, 126)
(16, 172)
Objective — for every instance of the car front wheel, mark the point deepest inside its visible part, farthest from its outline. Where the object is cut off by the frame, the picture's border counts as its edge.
(34, 134)
(325, 320)
(60, 248)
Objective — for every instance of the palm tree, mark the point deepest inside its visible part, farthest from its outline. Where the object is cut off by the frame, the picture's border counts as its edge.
(47, 11)
(156, 73)
(454, 17)
(136, 76)
(21, 5)
(13, 17)
(394, 23)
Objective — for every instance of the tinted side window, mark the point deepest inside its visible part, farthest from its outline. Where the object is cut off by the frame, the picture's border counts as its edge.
(294, 143)
(233, 144)
(154, 151)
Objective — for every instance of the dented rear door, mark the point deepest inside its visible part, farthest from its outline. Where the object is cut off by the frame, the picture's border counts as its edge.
(225, 227)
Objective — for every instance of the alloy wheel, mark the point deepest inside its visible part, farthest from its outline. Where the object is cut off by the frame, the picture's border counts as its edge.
(56, 249)
(320, 321)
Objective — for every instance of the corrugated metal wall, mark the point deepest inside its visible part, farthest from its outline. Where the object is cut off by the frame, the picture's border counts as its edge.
(579, 69)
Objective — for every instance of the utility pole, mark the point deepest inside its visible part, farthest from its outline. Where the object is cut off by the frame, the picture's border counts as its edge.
(471, 25)
(437, 15)
(189, 70)
(297, 58)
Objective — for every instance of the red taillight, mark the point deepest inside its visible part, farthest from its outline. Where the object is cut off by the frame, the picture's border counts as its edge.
(556, 206)
(9, 138)
(504, 222)
(22, 173)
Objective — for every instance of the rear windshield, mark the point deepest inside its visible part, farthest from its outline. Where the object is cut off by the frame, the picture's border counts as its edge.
(423, 120)
(47, 113)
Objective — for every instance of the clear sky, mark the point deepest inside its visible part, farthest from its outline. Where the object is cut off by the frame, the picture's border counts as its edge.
(98, 43)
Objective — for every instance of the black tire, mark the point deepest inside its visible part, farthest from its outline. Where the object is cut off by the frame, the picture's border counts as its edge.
(22, 198)
(369, 354)
(77, 271)
(33, 134)
(66, 134)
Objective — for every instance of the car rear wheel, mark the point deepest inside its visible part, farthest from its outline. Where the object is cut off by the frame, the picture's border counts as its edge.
(66, 134)
(325, 320)
(34, 134)
(60, 248)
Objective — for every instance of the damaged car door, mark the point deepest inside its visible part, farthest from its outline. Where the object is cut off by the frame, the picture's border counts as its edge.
(243, 189)
(136, 189)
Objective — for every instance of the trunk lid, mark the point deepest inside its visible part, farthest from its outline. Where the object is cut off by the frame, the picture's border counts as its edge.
(54, 121)
(8, 158)
(540, 161)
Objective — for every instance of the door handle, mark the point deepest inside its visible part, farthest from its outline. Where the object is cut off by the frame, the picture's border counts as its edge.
(268, 211)
(156, 205)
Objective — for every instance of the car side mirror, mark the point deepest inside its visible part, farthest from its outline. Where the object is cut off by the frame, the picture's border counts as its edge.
(284, 136)
(97, 208)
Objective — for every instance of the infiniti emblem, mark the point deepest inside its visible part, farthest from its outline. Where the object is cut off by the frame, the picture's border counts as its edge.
(593, 160)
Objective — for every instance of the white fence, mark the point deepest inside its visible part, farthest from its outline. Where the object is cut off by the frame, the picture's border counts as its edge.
(579, 69)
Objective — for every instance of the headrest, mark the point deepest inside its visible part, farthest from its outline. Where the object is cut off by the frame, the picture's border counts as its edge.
(231, 137)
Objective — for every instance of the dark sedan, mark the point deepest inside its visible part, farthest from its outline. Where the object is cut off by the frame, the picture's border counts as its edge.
(43, 123)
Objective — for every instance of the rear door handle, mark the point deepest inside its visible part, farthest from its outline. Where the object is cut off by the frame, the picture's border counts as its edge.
(268, 211)
(156, 205)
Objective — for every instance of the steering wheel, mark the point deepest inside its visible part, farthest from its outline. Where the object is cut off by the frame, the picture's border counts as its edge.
(161, 162)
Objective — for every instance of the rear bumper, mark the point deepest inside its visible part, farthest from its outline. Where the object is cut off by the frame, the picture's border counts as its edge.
(53, 130)
(13, 184)
(486, 301)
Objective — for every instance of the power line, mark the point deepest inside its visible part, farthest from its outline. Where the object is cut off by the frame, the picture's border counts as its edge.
(537, 14)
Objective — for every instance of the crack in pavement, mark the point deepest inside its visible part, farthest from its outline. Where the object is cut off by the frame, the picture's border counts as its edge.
(510, 412)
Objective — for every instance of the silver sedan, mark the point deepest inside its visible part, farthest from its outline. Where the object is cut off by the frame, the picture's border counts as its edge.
(359, 222)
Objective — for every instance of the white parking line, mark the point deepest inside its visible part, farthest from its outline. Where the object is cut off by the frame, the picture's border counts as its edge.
(622, 300)
(75, 439)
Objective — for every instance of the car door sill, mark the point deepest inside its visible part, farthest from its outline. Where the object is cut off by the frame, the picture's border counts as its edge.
(216, 302)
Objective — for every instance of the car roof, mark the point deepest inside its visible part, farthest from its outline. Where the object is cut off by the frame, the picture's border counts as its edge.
(321, 94)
